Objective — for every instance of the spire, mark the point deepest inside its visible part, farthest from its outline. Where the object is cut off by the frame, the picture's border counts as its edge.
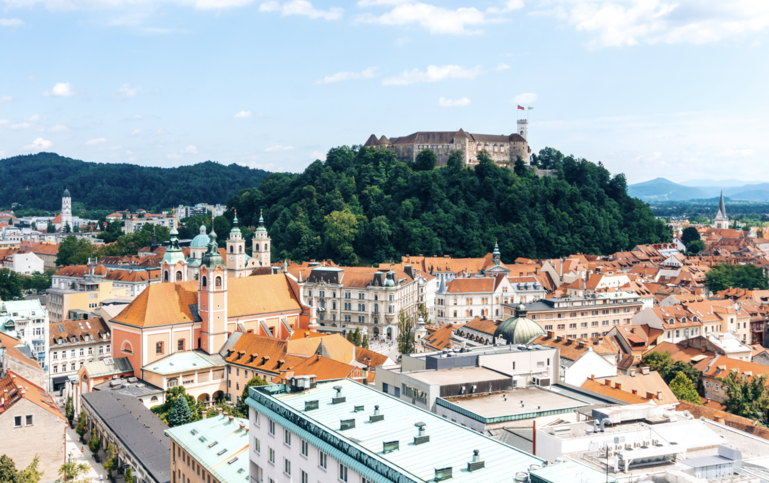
(285, 266)
(722, 205)
(261, 228)
(154, 245)
(235, 224)
(496, 254)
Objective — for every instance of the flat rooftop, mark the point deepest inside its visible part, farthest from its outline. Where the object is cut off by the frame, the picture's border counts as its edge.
(517, 401)
(461, 375)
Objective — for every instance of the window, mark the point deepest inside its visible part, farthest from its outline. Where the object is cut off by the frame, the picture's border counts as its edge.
(322, 462)
(72, 367)
(257, 445)
(605, 322)
(573, 326)
(17, 422)
(583, 324)
(180, 345)
(342, 472)
(305, 477)
(82, 352)
(361, 296)
(272, 456)
(287, 437)
(55, 369)
(159, 348)
(272, 427)
(548, 327)
(55, 355)
(305, 448)
(101, 349)
(286, 466)
(594, 323)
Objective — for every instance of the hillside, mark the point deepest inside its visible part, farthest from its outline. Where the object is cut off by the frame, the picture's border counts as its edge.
(661, 189)
(38, 180)
(366, 206)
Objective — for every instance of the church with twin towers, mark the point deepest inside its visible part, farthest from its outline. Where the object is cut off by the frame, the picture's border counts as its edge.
(504, 149)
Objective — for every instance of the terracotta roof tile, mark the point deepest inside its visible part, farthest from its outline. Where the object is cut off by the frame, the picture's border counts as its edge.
(643, 384)
(19, 387)
(737, 422)
(486, 326)
(10, 345)
(573, 349)
(621, 394)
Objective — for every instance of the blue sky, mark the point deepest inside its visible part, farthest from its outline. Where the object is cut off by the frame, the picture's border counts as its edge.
(649, 87)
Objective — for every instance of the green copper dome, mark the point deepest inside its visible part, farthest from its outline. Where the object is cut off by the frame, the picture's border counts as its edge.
(261, 228)
(173, 252)
(202, 240)
(519, 329)
(212, 258)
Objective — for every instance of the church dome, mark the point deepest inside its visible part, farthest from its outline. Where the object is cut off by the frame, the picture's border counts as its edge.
(519, 329)
(66, 193)
(202, 240)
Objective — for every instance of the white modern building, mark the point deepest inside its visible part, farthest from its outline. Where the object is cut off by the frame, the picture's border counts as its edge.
(29, 321)
(342, 431)
(24, 263)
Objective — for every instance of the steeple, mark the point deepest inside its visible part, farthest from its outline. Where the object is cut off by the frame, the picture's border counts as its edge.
(212, 257)
(154, 245)
(721, 221)
(496, 254)
(236, 250)
(261, 245)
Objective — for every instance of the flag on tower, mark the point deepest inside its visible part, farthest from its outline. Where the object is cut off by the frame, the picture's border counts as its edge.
(521, 108)
(530, 108)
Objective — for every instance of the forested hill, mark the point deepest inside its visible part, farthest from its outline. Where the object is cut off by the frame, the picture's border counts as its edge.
(366, 206)
(38, 181)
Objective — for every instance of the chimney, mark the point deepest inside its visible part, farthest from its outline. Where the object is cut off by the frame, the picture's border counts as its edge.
(720, 420)
(618, 385)
(592, 377)
(649, 395)
(607, 382)
(550, 334)
(632, 372)
(634, 392)
(645, 370)
(659, 395)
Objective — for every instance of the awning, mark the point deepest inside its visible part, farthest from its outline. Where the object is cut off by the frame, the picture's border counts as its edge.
(60, 379)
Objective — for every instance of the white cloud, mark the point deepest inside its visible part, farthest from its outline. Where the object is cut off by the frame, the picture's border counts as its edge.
(190, 150)
(125, 91)
(508, 6)
(502, 66)
(318, 155)
(301, 7)
(58, 128)
(94, 142)
(173, 156)
(437, 20)
(34, 118)
(344, 76)
(443, 102)
(20, 125)
(616, 23)
(135, 132)
(527, 98)
(38, 145)
(11, 22)
(6, 98)
(62, 89)
(279, 148)
(242, 115)
(434, 73)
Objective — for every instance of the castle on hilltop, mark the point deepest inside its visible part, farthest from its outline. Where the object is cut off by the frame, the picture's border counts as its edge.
(503, 149)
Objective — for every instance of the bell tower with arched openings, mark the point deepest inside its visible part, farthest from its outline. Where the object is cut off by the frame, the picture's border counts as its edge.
(212, 299)
(261, 244)
(236, 251)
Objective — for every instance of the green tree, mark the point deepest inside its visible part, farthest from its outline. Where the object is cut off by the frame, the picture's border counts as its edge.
(32, 473)
(11, 284)
(405, 336)
(341, 230)
(74, 251)
(689, 235)
(364, 342)
(750, 277)
(51, 228)
(520, 166)
(456, 161)
(111, 464)
(180, 414)
(241, 408)
(94, 444)
(129, 475)
(73, 473)
(746, 397)
(69, 410)
(8, 471)
(426, 160)
(684, 389)
(695, 246)
(81, 429)
(668, 369)
(424, 313)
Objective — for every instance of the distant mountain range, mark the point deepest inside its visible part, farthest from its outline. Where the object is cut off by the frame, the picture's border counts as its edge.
(661, 189)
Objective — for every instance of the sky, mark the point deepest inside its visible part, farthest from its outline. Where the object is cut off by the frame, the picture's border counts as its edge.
(651, 88)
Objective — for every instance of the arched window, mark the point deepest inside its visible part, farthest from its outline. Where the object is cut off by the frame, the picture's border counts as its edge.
(240, 249)
(127, 348)
(265, 247)
(256, 247)
(154, 399)
(178, 275)
(205, 281)
(218, 281)
(165, 276)
(232, 249)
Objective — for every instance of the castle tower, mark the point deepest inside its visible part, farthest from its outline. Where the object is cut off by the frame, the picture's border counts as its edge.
(261, 244)
(721, 221)
(66, 210)
(174, 266)
(212, 299)
(523, 128)
(236, 251)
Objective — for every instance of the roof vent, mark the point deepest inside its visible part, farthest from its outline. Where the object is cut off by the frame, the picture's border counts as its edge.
(390, 446)
(347, 424)
(376, 416)
(422, 438)
(213, 444)
(310, 405)
(359, 409)
(477, 463)
(443, 474)
(339, 398)
(221, 452)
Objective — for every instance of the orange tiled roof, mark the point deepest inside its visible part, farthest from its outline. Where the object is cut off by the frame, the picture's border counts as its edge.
(18, 387)
(737, 422)
(680, 352)
(613, 392)
(169, 303)
(439, 339)
(369, 357)
(573, 349)
(338, 347)
(471, 285)
(644, 384)
(487, 326)
(323, 368)
(78, 329)
(10, 346)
